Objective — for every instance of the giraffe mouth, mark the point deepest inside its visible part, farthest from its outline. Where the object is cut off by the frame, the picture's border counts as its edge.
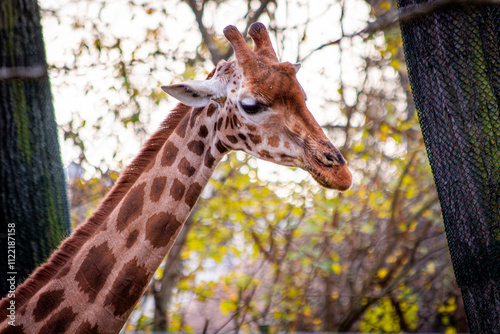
(330, 171)
(335, 177)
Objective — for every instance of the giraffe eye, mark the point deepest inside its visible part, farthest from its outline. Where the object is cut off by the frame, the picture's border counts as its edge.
(251, 106)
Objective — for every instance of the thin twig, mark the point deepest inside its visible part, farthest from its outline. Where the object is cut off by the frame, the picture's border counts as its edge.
(405, 14)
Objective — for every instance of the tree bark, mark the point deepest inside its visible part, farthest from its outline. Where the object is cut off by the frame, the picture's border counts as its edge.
(34, 211)
(454, 67)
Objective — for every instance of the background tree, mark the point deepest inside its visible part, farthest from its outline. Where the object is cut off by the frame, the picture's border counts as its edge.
(283, 254)
(33, 200)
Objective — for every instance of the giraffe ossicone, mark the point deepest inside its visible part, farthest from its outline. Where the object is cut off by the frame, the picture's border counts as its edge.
(253, 103)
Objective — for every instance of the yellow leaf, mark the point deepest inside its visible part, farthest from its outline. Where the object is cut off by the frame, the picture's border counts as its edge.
(385, 5)
(337, 269)
(307, 311)
(183, 285)
(226, 307)
(450, 330)
(395, 63)
(359, 147)
(382, 272)
(293, 293)
(159, 273)
(385, 128)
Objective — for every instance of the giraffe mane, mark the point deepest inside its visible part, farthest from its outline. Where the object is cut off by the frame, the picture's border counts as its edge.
(59, 258)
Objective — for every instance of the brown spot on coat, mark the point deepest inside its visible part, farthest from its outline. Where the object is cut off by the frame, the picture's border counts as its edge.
(131, 208)
(86, 328)
(232, 139)
(95, 270)
(181, 128)
(211, 109)
(203, 131)
(157, 188)
(177, 190)
(149, 166)
(127, 288)
(236, 121)
(197, 147)
(274, 141)
(161, 228)
(192, 194)
(256, 139)
(194, 114)
(48, 302)
(132, 238)
(64, 270)
(265, 154)
(209, 159)
(186, 168)
(251, 127)
(242, 136)
(286, 157)
(219, 123)
(221, 147)
(169, 154)
(59, 322)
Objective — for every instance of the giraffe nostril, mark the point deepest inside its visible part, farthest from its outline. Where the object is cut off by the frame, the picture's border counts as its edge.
(329, 157)
(334, 158)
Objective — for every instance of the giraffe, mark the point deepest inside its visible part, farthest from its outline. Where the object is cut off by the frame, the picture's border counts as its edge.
(253, 103)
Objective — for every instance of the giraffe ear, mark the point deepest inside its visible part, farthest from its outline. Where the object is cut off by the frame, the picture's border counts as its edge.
(195, 93)
(297, 66)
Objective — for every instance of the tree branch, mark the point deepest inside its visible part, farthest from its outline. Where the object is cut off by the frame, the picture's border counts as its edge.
(207, 36)
(406, 14)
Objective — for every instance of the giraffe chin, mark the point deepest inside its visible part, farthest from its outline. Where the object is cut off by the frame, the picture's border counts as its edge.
(335, 177)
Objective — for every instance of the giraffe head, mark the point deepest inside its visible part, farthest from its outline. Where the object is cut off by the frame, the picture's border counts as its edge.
(261, 110)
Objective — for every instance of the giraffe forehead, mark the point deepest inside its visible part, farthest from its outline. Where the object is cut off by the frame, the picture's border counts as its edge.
(268, 82)
(273, 87)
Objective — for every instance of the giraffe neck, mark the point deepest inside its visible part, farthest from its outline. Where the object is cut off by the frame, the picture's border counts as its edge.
(112, 269)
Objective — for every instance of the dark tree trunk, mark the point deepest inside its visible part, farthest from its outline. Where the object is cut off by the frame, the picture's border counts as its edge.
(454, 66)
(33, 202)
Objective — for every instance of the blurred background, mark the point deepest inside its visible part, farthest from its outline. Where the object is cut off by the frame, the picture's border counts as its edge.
(266, 249)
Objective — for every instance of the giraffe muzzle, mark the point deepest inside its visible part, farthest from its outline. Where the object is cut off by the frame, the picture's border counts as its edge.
(329, 168)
